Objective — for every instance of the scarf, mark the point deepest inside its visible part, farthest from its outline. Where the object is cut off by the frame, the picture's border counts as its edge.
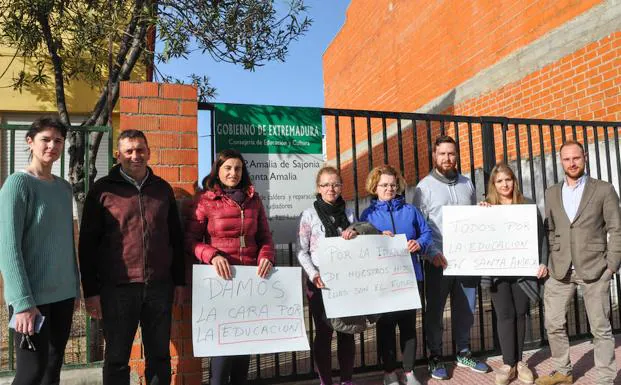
(236, 194)
(332, 216)
(450, 179)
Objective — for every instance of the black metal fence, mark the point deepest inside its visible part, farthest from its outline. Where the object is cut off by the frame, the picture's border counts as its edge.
(358, 140)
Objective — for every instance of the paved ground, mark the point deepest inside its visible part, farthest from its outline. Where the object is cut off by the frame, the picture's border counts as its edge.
(538, 360)
(87, 376)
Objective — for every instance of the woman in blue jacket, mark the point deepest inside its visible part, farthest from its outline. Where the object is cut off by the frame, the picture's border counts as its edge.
(389, 213)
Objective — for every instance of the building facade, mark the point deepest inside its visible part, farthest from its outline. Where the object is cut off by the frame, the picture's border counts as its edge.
(538, 59)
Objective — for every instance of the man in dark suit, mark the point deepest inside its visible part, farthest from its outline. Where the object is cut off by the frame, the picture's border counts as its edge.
(584, 227)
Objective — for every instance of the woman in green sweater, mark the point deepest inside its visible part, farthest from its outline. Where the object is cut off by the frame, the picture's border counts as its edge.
(37, 258)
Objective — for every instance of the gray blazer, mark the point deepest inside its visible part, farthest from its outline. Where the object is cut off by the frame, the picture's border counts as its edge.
(584, 242)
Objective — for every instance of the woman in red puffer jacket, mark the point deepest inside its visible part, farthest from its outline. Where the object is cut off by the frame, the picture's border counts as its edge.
(228, 226)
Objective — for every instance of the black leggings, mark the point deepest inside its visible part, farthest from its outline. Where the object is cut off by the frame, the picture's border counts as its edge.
(322, 344)
(387, 341)
(43, 365)
(231, 370)
(511, 305)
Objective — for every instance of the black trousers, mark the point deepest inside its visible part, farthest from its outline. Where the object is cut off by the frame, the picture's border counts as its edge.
(511, 305)
(43, 365)
(387, 339)
(123, 307)
(322, 344)
(229, 370)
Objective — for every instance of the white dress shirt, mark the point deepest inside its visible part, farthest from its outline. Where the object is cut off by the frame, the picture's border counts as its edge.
(572, 196)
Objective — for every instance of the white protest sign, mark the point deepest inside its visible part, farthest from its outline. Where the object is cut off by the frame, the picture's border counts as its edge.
(367, 275)
(247, 314)
(495, 241)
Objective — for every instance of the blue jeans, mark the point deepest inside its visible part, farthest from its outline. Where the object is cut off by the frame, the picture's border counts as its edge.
(463, 303)
(123, 307)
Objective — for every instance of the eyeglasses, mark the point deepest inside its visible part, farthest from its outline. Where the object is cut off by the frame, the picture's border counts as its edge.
(387, 185)
(333, 185)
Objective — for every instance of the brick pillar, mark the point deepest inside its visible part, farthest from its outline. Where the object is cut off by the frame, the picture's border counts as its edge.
(167, 113)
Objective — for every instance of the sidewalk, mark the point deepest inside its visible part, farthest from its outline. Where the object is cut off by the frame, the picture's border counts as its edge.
(538, 360)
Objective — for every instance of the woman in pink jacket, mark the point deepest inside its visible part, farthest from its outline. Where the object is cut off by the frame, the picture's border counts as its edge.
(228, 226)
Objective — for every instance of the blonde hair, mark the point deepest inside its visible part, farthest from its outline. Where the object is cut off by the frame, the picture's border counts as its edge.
(492, 193)
(377, 172)
(327, 170)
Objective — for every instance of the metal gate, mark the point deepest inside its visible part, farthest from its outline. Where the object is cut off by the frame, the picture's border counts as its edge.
(358, 140)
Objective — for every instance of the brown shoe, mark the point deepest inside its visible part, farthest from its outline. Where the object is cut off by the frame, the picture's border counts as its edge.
(555, 378)
(505, 374)
(524, 373)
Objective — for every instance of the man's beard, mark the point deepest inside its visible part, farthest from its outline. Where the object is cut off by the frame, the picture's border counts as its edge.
(577, 175)
(449, 173)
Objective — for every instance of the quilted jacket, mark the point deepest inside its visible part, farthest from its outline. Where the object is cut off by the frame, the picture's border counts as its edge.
(217, 225)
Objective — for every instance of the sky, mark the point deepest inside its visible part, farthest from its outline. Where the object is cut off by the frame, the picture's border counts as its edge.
(296, 82)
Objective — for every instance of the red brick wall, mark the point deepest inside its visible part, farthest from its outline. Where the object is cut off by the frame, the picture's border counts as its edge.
(402, 56)
(167, 113)
(398, 55)
(585, 85)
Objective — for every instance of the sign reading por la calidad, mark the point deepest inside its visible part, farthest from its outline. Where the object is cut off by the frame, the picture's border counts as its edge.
(369, 274)
(500, 240)
(247, 314)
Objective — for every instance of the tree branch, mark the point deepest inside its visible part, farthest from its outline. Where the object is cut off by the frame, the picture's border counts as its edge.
(120, 60)
(57, 62)
(133, 55)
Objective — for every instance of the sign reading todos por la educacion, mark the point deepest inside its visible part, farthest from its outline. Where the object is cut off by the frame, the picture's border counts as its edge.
(497, 241)
(283, 150)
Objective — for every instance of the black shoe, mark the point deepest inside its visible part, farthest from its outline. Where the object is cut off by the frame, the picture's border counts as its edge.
(437, 369)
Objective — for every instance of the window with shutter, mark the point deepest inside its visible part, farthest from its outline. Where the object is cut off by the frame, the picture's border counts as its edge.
(19, 149)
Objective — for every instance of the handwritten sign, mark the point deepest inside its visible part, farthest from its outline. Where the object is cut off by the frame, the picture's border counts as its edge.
(247, 314)
(367, 275)
(496, 241)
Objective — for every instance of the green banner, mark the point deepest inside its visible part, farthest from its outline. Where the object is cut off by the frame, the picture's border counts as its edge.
(256, 129)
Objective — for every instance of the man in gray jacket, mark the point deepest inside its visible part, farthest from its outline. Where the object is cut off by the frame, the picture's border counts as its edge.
(584, 234)
(445, 186)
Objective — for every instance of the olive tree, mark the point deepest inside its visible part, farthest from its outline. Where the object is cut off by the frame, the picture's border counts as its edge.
(101, 42)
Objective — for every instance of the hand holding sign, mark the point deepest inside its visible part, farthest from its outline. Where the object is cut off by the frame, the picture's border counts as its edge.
(439, 261)
(413, 246)
(221, 264)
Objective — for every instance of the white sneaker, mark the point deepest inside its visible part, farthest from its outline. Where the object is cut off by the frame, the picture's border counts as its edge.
(410, 379)
(391, 379)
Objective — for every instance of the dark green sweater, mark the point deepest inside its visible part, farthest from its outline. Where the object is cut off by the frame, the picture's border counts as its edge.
(37, 258)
